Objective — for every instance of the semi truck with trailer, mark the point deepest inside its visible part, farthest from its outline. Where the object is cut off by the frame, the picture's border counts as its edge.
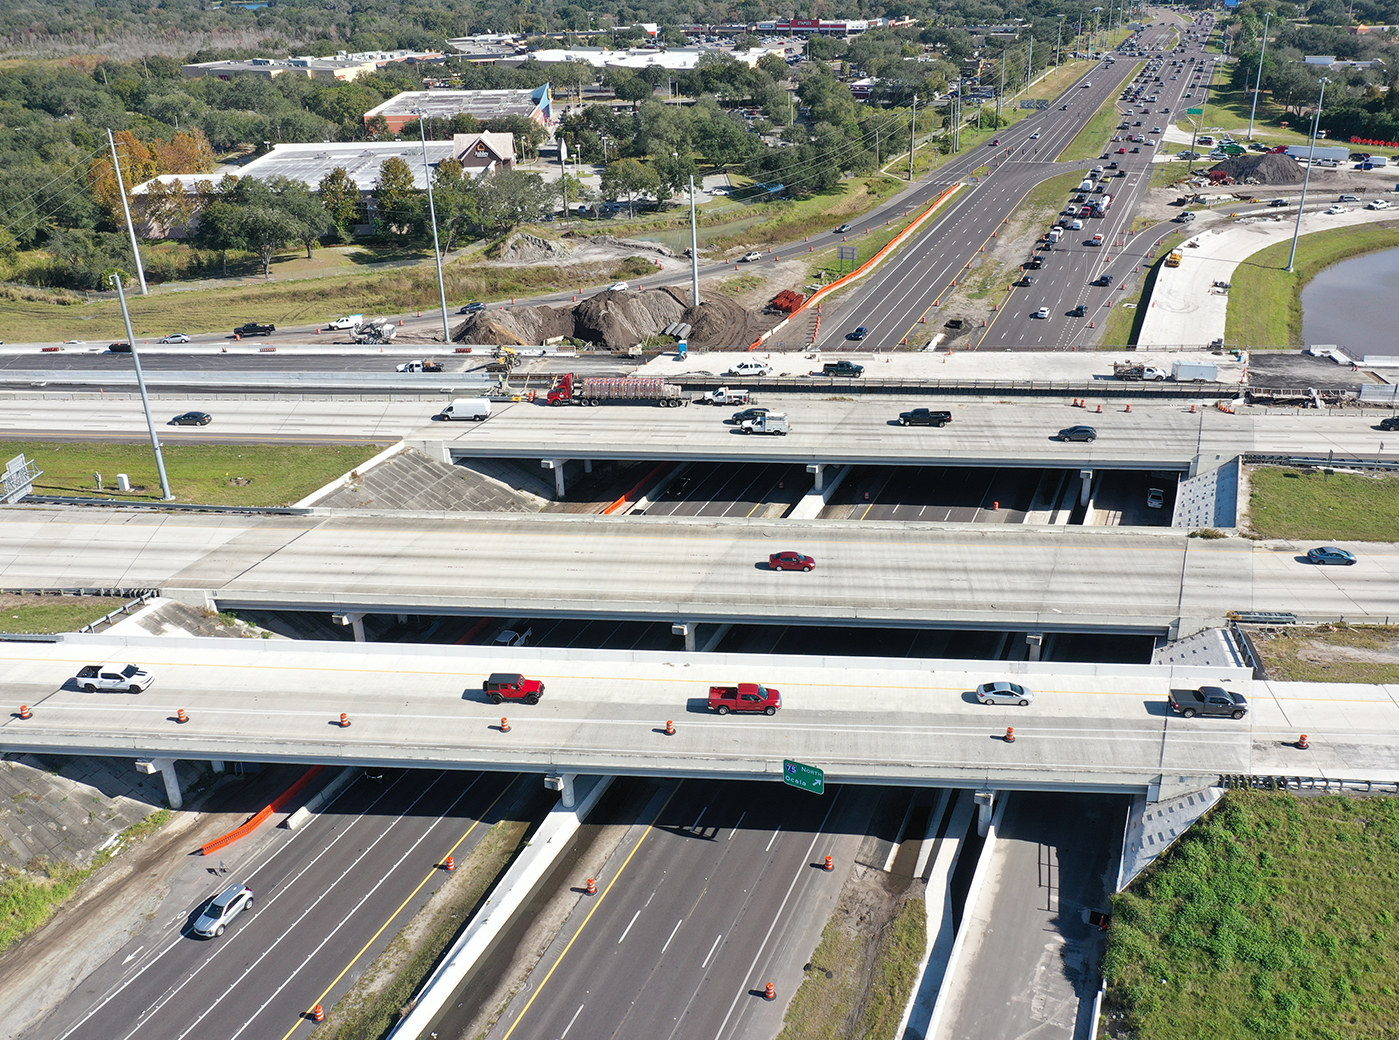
(616, 390)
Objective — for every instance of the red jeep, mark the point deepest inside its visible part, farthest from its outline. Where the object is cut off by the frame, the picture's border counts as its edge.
(512, 686)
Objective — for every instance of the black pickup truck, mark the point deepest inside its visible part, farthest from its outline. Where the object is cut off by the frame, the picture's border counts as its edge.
(925, 417)
(255, 328)
(842, 368)
(1209, 700)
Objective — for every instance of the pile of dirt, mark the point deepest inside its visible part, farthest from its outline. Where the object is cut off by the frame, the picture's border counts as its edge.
(531, 249)
(624, 319)
(721, 322)
(516, 326)
(634, 245)
(1270, 168)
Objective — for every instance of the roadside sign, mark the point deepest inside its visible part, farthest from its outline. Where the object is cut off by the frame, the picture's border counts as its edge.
(1194, 111)
(808, 778)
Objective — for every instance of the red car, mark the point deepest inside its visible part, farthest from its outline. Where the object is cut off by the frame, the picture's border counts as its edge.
(1122, 151)
(790, 561)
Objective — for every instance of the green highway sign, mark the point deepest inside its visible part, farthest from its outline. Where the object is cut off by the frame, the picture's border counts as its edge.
(1194, 111)
(808, 778)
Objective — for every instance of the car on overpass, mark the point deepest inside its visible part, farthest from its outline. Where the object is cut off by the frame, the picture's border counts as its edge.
(1330, 554)
(1389, 422)
(1077, 433)
(191, 419)
(1208, 700)
(925, 417)
(1004, 693)
(789, 560)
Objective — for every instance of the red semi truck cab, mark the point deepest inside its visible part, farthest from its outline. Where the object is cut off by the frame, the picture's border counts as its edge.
(750, 697)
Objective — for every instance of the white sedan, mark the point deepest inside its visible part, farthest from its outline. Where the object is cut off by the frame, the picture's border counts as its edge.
(1004, 693)
(1043, 312)
(749, 258)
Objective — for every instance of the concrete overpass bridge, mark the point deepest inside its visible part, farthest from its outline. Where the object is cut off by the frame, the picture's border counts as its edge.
(873, 721)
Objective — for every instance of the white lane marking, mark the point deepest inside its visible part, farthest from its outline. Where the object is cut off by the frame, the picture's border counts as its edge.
(705, 962)
(736, 826)
(672, 934)
(695, 826)
(345, 918)
(627, 929)
(131, 956)
(773, 839)
(572, 1020)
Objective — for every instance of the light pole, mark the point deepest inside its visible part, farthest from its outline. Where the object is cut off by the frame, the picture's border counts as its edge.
(1311, 154)
(912, 132)
(1058, 40)
(169, 495)
(432, 215)
(1258, 80)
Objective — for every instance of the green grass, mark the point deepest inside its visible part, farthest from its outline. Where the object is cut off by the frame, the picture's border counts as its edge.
(1272, 918)
(278, 475)
(305, 301)
(1265, 304)
(1124, 324)
(28, 898)
(1291, 503)
(787, 220)
(1093, 138)
(1331, 653)
(46, 615)
(857, 984)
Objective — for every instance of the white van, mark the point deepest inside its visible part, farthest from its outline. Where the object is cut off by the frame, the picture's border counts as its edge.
(475, 408)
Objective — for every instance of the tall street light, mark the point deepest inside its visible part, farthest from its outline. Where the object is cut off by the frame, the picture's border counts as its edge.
(1058, 39)
(1257, 80)
(432, 215)
(1311, 154)
(169, 496)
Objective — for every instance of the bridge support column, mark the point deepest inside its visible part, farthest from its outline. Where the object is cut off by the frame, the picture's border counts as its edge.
(1035, 641)
(216, 764)
(355, 619)
(587, 465)
(986, 807)
(557, 466)
(563, 783)
(818, 476)
(402, 618)
(166, 768)
(1085, 475)
(688, 631)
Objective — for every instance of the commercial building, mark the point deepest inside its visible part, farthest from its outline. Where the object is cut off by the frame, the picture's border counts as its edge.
(407, 107)
(343, 66)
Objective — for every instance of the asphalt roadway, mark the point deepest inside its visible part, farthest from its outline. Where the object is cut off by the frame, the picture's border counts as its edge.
(720, 893)
(327, 901)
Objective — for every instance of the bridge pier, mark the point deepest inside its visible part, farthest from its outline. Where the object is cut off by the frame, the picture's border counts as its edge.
(818, 475)
(1035, 641)
(986, 808)
(563, 783)
(216, 764)
(166, 768)
(557, 466)
(355, 619)
(687, 630)
(1085, 475)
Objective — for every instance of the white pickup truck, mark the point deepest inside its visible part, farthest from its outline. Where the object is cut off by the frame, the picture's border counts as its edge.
(94, 677)
(724, 395)
(349, 321)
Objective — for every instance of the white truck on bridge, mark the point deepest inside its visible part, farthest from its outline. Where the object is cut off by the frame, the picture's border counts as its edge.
(94, 677)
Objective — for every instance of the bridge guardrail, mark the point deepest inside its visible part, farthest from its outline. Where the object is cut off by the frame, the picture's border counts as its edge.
(1025, 388)
(187, 507)
(1256, 782)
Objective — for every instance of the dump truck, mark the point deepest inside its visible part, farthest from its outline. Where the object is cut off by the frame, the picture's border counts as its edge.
(420, 366)
(379, 331)
(1175, 258)
(616, 390)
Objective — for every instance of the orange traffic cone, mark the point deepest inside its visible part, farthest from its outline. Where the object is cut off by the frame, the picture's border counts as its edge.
(24, 712)
(770, 993)
(344, 720)
(180, 716)
(592, 886)
(318, 1013)
(505, 725)
(451, 864)
(1010, 735)
(830, 863)
(669, 728)
(1302, 743)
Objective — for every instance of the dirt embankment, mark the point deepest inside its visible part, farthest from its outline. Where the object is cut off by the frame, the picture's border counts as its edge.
(617, 319)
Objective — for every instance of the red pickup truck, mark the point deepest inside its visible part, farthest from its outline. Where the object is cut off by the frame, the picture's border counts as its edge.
(512, 686)
(745, 697)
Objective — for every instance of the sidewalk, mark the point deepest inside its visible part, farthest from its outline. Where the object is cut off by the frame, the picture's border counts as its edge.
(1186, 308)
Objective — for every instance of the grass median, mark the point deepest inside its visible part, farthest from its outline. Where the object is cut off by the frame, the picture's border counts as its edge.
(1265, 304)
(36, 614)
(209, 474)
(1309, 504)
(1272, 917)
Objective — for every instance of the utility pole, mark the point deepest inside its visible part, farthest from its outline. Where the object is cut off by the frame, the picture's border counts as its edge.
(169, 496)
(1058, 40)
(1258, 79)
(912, 134)
(694, 247)
(1001, 91)
(126, 209)
(432, 215)
(1030, 63)
(1311, 155)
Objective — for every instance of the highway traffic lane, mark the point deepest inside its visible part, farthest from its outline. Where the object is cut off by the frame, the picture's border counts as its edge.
(1030, 964)
(723, 886)
(324, 902)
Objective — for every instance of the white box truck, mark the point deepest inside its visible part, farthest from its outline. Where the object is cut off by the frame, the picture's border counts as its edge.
(473, 408)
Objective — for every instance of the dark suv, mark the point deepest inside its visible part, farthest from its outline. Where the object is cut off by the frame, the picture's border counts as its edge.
(842, 368)
(1209, 700)
(925, 417)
